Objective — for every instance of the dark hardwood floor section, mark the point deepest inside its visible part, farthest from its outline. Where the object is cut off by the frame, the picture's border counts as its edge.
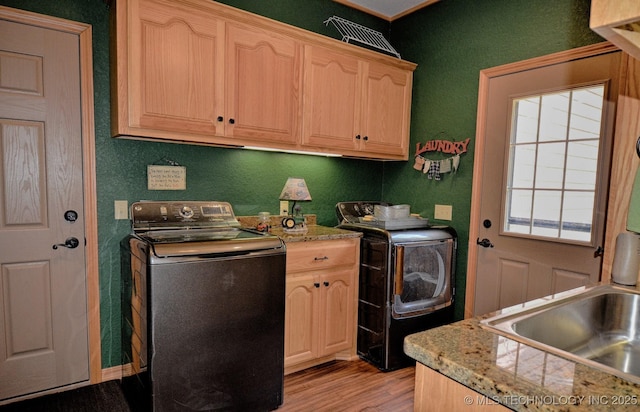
(349, 386)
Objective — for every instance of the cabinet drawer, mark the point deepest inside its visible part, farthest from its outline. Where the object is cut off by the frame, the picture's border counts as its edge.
(315, 255)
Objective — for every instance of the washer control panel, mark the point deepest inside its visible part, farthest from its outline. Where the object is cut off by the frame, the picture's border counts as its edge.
(156, 215)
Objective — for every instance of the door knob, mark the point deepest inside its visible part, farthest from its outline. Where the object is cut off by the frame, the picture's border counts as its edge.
(70, 243)
(484, 242)
(598, 252)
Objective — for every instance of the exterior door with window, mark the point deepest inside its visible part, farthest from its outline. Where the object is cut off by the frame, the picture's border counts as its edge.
(545, 163)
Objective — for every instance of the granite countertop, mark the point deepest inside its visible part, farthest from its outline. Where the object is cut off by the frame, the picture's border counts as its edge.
(314, 231)
(517, 375)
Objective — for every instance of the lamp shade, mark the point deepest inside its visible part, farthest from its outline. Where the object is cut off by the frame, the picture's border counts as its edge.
(295, 189)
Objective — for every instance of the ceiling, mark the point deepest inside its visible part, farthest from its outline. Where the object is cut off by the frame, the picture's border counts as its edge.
(387, 9)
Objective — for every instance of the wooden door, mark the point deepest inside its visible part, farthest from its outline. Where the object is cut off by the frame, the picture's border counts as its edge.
(332, 99)
(43, 291)
(386, 110)
(523, 257)
(336, 309)
(175, 72)
(301, 340)
(263, 79)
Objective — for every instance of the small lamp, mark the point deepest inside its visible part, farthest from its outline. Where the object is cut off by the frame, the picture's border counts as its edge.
(295, 189)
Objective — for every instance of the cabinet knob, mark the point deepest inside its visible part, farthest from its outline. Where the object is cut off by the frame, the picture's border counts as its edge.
(232, 121)
(316, 284)
(220, 118)
(326, 283)
(365, 138)
(357, 137)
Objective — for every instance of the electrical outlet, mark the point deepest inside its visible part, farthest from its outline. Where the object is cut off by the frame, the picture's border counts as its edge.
(121, 208)
(443, 212)
(284, 207)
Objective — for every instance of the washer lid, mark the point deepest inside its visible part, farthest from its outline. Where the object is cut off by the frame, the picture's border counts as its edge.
(245, 243)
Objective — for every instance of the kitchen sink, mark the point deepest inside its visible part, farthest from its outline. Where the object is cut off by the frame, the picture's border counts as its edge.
(597, 326)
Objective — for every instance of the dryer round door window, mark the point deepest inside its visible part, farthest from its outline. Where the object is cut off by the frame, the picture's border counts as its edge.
(423, 277)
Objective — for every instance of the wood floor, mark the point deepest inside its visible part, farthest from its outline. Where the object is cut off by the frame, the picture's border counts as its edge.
(334, 387)
(349, 386)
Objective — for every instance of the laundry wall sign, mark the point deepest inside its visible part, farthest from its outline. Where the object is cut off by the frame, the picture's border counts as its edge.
(434, 168)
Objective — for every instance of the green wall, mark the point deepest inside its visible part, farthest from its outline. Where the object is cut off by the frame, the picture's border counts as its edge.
(451, 41)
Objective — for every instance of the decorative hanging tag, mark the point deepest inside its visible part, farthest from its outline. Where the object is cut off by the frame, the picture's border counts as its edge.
(434, 168)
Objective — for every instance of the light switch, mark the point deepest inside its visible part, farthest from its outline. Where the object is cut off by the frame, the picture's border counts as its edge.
(443, 212)
(121, 209)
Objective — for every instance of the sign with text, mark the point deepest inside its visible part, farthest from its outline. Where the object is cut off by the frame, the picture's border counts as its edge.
(166, 177)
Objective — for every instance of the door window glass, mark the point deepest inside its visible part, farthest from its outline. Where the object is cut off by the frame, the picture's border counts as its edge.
(553, 159)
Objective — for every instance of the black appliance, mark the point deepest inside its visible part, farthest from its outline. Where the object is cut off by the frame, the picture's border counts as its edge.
(203, 310)
(407, 270)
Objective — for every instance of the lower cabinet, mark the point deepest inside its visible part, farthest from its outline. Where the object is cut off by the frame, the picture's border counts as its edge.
(436, 392)
(321, 297)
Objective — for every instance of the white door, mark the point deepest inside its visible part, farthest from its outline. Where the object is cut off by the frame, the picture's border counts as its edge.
(43, 305)
(544, 181)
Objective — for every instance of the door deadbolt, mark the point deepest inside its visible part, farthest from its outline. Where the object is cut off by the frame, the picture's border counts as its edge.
(71, 216)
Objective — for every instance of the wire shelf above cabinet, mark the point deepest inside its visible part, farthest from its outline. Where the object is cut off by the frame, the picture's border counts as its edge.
(354, 31)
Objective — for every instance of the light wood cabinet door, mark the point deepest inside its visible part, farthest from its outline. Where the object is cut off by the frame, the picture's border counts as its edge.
(174, 68)
(263, 78)
(332, 99)
(353, 104)
(301, 341)
(319, 317)
(321, 302)
(386, 110)
(337, 305)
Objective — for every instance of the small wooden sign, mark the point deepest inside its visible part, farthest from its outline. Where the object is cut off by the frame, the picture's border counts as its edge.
(166, 177)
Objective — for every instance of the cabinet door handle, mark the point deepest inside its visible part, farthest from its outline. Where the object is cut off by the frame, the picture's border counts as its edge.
(220, 118)
(232, 121)
(316, 284)
(326, 283)
(321, 258)
(365, 138)
(357, 137)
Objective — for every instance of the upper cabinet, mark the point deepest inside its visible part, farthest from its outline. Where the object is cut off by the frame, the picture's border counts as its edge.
(184, 75)
(332, 99)
(168, 75)
(263, 85)
(197, 71)
(619, 22)
(386, 109)
(355, 105)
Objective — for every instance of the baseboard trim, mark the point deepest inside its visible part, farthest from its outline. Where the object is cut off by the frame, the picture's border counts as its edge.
(116, 372)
